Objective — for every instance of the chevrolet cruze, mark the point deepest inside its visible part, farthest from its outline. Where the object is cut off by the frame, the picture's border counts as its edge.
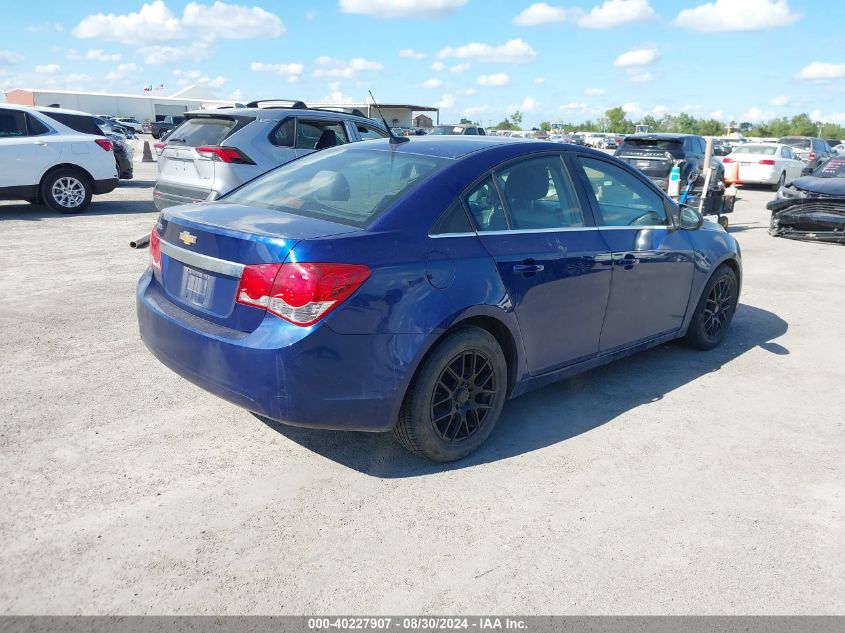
(417, 286)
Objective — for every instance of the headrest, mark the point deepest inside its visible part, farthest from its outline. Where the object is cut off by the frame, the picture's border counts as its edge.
(331, 186)
(527, 182)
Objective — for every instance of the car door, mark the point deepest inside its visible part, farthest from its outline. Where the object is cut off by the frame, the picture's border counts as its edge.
(550, 256)
(791, 162)
(26, 149)
(652, 261)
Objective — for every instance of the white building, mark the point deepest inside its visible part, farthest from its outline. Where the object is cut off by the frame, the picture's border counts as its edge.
(396, 114)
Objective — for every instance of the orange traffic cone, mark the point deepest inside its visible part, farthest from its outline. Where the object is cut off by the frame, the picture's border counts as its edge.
(732, 173)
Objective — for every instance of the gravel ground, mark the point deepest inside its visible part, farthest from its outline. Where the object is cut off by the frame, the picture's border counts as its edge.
(671, 482)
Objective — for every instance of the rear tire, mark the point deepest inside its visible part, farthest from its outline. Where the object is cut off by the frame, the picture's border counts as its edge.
(715, 310)
(780, 183)
(455, 398)
(66, 191)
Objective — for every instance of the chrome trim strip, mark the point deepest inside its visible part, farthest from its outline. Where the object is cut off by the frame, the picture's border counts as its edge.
(636, 227)
(442, 235)
(517, 232)
(206, 262)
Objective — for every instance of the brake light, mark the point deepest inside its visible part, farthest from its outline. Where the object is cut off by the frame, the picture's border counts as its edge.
(159, 148)
(766, 161)
(224, 154)
(300, 293)
(155, 250)
(727, 159)
(105, 143)
(812, 156)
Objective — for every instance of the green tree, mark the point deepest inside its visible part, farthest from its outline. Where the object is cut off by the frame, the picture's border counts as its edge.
(516, 118)
(545, 126)
(506, 124)
(465, 121)
(710, 127)
(616, 121)
(802, 125)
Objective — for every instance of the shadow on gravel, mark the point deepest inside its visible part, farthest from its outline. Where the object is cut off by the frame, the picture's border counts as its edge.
(560, 411)
(38, 212)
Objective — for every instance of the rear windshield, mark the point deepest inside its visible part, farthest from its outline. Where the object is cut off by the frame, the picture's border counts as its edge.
(765, 150)
(201, 131)
(84, 123)
(797, 143)
(349, 186)
(834, 168)
(441, 130)
(653, 143)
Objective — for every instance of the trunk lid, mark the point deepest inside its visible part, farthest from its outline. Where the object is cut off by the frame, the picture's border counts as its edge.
(205, 248)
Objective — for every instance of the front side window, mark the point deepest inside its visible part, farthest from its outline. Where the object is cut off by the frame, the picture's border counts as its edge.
(319, 134)
(539, 195)
(366, 132)
(623, 199)
(12, 123)
(351, 186)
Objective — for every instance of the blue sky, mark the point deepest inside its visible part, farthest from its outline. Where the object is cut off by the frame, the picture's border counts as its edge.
(560, 60)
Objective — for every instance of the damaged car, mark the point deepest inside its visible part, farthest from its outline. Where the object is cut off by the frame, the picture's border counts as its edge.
(812, 207)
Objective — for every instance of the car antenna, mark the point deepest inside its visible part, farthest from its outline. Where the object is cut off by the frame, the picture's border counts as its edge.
(394, 140)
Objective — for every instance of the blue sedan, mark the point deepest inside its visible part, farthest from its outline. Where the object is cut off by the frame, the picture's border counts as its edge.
(416, 286)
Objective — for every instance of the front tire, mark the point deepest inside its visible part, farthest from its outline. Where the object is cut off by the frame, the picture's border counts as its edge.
(456, 397)
(66, 191)
(715, 310)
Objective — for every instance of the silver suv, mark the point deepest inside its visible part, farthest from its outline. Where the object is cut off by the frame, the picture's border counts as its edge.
(214, 151)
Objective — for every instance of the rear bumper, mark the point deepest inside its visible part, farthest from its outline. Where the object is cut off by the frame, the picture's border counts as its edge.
(167, 195)
(310, 377)
(104, 186)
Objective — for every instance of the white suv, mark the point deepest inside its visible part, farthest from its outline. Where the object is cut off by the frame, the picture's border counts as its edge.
(55, 156)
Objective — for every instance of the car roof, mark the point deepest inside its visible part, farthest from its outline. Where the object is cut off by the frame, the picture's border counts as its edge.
(279, 113)
(44, 109)
(455, 147)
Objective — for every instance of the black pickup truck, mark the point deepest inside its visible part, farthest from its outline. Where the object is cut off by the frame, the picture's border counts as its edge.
(167, 123)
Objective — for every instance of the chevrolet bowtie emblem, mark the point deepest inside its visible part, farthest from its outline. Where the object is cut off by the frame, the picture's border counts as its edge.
(187, 238)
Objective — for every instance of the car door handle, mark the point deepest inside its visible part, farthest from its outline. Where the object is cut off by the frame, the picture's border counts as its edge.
(628, 260)
(528, 268)
(41, 143)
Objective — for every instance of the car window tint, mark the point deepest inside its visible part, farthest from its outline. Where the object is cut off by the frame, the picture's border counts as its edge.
(12, 123)
(36, 127)
(485, 207)
(308, 133)
(470, 130)
(79, 122)
(453, 220)
(623, 198)
(366, 132)
(539, 195)
(785, 153)
(283, 135)
(201, 131)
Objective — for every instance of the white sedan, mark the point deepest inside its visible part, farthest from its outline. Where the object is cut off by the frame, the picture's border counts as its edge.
(772, 164)
(840, 149)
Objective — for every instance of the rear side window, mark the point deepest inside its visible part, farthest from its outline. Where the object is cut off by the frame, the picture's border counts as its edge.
(349, 186)
(486, 208)
(623, 199)
(366, 132)
(453, 220)
(78, 122)
(283, 135)
(470, 130)
(309, 133)
(12, 124)
(36, 127)
(202, 131)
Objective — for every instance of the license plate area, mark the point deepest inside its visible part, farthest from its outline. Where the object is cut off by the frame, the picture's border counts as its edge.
(197, 287)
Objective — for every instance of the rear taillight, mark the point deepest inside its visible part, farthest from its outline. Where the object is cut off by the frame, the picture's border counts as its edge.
(300, 293)
(766, 161)
(727, 159)
(155, 250)
(159, 148)
(812, 156)
(105, 143)
(224, 154)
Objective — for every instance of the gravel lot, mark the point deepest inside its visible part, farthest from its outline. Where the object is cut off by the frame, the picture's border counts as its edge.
(672, 482)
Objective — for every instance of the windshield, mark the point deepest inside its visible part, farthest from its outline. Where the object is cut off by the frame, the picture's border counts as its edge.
(797, 143)
(834, 168)
(349, 186)
(765, 150)
(445, 129)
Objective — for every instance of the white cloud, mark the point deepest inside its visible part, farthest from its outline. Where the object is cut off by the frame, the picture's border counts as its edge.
(541, 13)
(279, 69)
(448, 101)
(511, 52)
(637, 57)
(459, 68)
(595, 92)
(432, 83)
(311, 16)
(339, 68)
(633, 108)
(737, 15)
(614, 13)
(659, 110)
(639, 76)
(9, 57)
(719, 115)
(466, 92)
(165, 54)
(48, 69)
(820, 71)
(779, 101)
(400, 8)
(411, 54)
(475, 111)
(45, 27)
(529, 104)
(336, 95)
(539, 81)
(155, 22)
(124, 73)
(438, 66)
(237, 95)
(94, 54)
(498, 79)
(756, 114)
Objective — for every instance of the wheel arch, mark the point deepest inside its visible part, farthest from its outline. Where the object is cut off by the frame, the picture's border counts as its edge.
(72, 166)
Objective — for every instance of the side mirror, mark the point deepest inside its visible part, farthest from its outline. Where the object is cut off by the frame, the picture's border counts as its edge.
(806, 171)
(689, 219)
